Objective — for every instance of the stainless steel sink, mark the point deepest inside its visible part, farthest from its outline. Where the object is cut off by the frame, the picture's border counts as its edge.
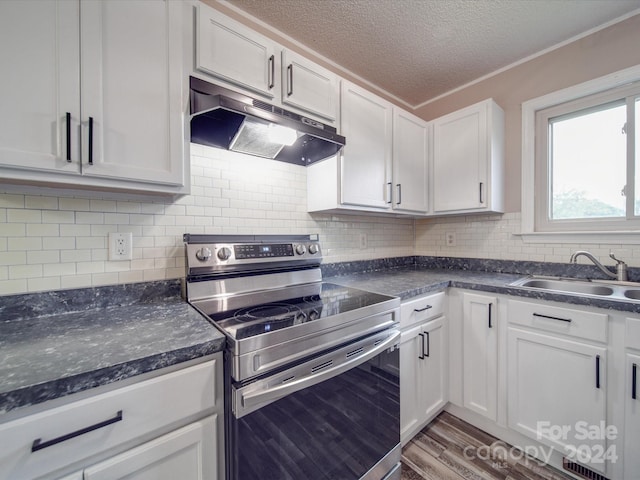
(625, 291)
(633, 294)
(571, 286)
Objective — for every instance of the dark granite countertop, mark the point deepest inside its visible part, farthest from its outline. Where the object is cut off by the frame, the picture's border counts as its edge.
(54, 344)
(410, 281)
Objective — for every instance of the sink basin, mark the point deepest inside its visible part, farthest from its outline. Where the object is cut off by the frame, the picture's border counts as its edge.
(620, 291)
(571, 286)
(632, 294)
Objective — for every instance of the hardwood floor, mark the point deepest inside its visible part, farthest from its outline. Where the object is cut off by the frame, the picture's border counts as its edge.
(451, 449)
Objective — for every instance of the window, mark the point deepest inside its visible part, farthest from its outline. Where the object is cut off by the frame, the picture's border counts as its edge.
(581, 160)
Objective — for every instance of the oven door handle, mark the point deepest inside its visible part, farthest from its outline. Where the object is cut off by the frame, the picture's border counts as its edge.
(255, 398)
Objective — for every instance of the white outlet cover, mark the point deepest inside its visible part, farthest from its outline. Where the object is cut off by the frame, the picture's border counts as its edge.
(120, 246)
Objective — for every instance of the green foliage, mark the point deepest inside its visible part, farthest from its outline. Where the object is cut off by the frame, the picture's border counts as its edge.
(575, 204)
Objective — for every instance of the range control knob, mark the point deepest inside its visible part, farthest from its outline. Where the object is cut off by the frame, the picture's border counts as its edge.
(224, 253)
(314, 248)
(301, 249)
(203, 254)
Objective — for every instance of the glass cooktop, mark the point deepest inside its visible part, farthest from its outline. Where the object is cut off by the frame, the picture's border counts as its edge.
(330, 300)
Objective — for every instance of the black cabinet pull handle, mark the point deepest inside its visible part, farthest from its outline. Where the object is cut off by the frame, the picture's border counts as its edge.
(568, 320)
(634, 376)
(272, 71)
(597, 371)
(68, 117)
(481, 196)
(90, 140)
(399, 194)
(490, 308)
(428, 344)
(421, 356)
(38, 444)
(422, 309)
(390, 185)
(290, 80)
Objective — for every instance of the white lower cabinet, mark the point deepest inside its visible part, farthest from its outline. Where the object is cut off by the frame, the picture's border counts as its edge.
(557, 378)
(480, 354)
(631, 388)
(139, 427)
(423, 364)
(184, 454)
(632, 416)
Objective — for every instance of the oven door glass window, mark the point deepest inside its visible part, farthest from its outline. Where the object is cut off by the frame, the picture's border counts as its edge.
(336, 429)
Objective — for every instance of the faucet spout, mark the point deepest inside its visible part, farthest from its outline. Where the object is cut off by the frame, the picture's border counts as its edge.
(621, 267)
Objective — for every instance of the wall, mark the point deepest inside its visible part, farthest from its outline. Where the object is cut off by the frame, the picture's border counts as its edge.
(596, 55)
(52, 239)
(496, 236)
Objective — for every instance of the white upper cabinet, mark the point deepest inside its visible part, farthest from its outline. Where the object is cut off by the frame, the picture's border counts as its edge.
(232, 52)
(468, 160)
(93, 94)
(40, 85)
(383, 166)
(239, 57)
(309, 87)
(131, 90)
(366, 158)
(410, 162)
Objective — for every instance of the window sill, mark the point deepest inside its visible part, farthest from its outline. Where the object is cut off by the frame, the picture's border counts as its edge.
(626, 237)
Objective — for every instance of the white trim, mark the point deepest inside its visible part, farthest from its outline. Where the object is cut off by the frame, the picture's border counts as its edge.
(616, 238)
(531, 57)
(308, 51)
(529, 109)
(383, 92)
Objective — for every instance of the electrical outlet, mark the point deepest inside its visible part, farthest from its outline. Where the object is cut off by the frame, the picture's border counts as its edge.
(120, 246)
(363, 241)
(450, 239)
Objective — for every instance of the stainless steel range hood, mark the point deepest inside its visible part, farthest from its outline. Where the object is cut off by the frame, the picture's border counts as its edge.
(225, 119)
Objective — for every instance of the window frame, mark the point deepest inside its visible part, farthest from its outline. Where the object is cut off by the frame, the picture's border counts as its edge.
(533, 229)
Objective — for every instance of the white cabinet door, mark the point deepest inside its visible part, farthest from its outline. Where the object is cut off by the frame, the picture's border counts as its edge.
(423, 374)
(556, 383)
(630, 457)
(39, 85)
(234, 53)
(188, 453)
(410, 382)
(131, 61)
(366, 159)
(410, 162)
(309, 87)
(434, 366)
(468, 159)
(480, 354)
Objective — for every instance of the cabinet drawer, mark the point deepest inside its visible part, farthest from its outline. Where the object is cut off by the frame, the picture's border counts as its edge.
(421, 308)
(568, 321)
(633, 333)
(133, 411)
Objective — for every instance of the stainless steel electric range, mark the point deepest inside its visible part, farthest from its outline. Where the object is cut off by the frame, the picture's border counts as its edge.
(311, 368)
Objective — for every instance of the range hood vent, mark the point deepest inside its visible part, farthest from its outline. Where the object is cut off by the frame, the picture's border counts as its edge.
(226, 119)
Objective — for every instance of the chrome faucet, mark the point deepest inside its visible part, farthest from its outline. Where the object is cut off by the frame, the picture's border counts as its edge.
(621, 267)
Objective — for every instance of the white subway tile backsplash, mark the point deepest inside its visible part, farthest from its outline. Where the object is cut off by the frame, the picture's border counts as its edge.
(41, 203)
(231, 193)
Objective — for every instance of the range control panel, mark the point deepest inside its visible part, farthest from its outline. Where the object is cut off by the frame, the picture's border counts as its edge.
(219, 256)
(263, 251)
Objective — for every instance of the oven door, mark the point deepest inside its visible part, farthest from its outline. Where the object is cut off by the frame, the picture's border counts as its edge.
(336, 416)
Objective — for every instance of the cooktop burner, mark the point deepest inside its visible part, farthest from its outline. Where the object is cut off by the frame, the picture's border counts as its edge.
(260, 319)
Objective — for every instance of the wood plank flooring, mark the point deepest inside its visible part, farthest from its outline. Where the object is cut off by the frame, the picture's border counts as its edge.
(451, 449)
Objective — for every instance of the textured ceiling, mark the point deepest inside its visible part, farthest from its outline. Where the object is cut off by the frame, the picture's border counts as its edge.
(419, 49)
